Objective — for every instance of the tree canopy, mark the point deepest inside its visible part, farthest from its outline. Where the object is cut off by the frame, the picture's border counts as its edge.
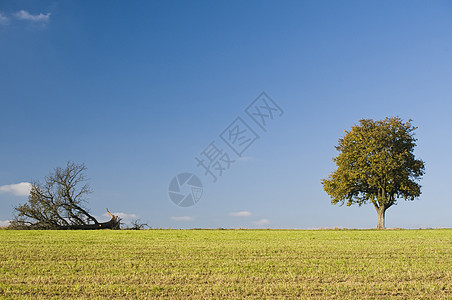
(376, 164)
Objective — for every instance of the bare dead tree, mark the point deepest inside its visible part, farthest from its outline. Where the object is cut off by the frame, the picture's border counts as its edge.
(137, 225)
(59, 203)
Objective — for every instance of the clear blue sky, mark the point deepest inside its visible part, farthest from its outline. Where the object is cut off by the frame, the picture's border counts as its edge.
(135, 90)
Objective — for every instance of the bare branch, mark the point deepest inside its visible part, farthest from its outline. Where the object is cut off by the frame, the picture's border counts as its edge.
(58, 203)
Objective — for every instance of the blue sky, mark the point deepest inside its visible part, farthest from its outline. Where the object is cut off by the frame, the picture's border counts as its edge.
(137, 90)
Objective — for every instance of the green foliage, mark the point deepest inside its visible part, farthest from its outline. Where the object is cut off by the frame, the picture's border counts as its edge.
(226, 264)
(376, 163)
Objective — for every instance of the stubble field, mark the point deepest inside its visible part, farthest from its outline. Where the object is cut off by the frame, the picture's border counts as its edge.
(226, 264)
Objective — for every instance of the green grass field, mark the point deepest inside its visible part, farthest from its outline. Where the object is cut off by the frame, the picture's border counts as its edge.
(226, 264)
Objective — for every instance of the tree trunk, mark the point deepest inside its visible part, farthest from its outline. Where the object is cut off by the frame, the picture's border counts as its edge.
(381, 217)
(114, 223)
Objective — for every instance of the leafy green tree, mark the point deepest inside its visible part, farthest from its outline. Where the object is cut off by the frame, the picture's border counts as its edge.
(376, 164)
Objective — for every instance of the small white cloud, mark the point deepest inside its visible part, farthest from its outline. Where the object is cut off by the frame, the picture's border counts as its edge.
(245, 158)
(18, 189)
(240, 214)
(4, 20)
(262, 222)
(185, 218)
(25, 15)
(4, 223)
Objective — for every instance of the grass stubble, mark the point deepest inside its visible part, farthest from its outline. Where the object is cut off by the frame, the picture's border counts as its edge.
(226, 264)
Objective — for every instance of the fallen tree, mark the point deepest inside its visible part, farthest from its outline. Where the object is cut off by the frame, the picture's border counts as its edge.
(113, 223)
(59, 203)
